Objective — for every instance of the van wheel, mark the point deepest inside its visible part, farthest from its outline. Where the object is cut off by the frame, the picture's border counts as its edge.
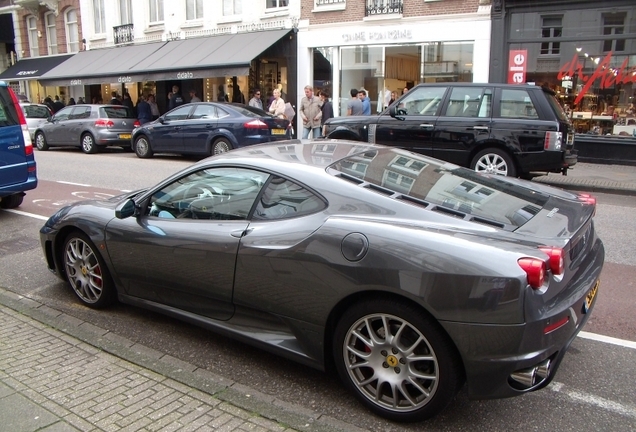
(88, 144)
(40, 142)
(494, 161)
(11, 201)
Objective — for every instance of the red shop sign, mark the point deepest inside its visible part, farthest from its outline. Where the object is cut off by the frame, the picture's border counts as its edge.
(517, 61)
(606, 76)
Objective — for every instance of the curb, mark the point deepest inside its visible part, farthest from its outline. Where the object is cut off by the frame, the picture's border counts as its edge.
(238, 395)
(605, 186)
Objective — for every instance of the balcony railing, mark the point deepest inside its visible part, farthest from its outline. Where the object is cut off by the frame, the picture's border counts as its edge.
(329, 2)
(123, 34)
(384, 7)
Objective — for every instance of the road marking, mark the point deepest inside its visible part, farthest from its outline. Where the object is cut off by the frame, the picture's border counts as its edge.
(607, 339)
(74, 184)
(606, 404)
(21, 213)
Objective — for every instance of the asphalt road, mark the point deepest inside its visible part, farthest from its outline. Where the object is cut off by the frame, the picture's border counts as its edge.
(593, 388)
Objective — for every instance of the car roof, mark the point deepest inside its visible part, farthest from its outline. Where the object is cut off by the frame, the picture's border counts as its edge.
(473, 84)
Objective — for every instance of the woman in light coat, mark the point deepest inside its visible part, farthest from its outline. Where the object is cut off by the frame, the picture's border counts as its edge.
(278, 105)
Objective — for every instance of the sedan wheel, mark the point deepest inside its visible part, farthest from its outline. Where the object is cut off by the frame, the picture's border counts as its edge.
(142, 147)
(493, 161)
(86, 272)
(40, 142)
(221, 145)
(88, 144)
(396, 360)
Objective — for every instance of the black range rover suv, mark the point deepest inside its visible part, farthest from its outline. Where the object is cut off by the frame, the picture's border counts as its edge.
(496, 128)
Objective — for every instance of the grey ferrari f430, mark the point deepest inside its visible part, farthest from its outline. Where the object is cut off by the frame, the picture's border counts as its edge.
(410, 275)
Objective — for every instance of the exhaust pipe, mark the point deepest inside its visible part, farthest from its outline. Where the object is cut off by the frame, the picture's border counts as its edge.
(531, 377)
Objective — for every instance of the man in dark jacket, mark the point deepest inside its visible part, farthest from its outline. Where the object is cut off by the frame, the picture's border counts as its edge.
(57, 104)
(114, 100)
(144, 113)
(176, 99)
(327, 110)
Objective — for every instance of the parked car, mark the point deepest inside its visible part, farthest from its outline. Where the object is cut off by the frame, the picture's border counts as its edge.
(409, 274)
(90, 127)
(495, 128)
(208, 128)
(36, 115)
(17, 165)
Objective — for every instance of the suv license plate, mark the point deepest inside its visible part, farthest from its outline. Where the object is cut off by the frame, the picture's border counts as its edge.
(278, 131)
(124, 136)
(589, 298)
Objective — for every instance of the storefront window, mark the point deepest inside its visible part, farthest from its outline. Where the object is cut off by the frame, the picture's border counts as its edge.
(361, 67)
(448, 61)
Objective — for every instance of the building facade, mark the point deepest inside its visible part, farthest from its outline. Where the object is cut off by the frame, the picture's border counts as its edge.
(584, 50)
(384, 46)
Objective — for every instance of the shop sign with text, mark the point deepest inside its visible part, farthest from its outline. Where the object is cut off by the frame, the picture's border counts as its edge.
(517, 64)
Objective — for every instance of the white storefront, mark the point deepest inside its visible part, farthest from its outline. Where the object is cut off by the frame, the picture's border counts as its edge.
(387, 55)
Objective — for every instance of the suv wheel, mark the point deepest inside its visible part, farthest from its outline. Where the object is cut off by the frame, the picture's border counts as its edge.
(494, 161)
(142, 147)
(88, 144)
(40, 142)
(11, 201)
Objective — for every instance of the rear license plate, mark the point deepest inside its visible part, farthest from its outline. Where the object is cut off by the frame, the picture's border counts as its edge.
(124, 136)
(278, 131)
(589, 298)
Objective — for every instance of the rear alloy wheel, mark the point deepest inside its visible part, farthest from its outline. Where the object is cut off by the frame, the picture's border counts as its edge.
(11, 201)
(40, 142)
(494, 161)
(221, 145)
(142, 147)
(88, 144)
(86, 272)
(396, 360)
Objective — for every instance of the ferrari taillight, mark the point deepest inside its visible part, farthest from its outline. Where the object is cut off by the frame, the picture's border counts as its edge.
(557, 262)
(588, 199)
(535, 270)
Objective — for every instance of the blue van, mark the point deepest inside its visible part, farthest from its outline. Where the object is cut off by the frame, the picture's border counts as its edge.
(17, 165)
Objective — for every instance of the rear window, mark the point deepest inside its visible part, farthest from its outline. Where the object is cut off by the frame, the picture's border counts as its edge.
(556, 107)
(114, 111)
(249, 111)
(423, 181)
(8, 114)
(36, 111)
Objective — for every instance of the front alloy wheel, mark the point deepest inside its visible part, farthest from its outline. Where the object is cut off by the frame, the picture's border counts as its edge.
(396, 360)
(142, 147)
(86, 272)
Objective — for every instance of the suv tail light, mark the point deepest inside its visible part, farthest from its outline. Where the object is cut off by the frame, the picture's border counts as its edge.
(255, 124)
(104, 123)
(553, 141)
(28, 145)
(535, 271)
(557, 263)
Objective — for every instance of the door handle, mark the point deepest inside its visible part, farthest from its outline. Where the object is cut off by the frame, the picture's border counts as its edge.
(177, 127)
(241, 233)
(481, 128)
(427, 126)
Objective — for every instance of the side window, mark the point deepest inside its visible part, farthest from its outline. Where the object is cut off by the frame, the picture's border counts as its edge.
(421, 101)
(284, 199)
(180, 113)
(468, 102)
(63, 114)
(80, 112)
(209, 194)
(222, 113)
(205, 112)
(517, 104)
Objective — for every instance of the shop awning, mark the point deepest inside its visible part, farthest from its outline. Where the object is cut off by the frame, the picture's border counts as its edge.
(33, 68)
(204, 57)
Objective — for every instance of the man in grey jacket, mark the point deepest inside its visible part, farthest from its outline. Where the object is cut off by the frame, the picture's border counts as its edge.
(311, 113)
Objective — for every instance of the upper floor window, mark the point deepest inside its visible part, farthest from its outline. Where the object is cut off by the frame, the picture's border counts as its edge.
(99, 18)
(194, 10)
(72, 30)
(156, 11)
(551, 27)
(125, 12)
(613, 24)
(51, 35)
(232, 7)
(362, 54)
(277, 4)
(32, 31)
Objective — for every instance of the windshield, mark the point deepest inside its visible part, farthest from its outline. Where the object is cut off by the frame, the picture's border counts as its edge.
(430, 181)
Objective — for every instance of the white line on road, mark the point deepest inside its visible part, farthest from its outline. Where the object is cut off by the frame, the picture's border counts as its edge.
(21, 213)
(597, 401)
(73, 184)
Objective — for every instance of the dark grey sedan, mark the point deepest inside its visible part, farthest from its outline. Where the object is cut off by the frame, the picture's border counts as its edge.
(411, 275)
(89, 127)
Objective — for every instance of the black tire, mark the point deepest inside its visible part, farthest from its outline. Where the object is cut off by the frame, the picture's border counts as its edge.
(11, 201)
(494, 161)
(86, 272)
(40, 142)
(88, 144)
(221, 145)
(439, 371)
(142, 147)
